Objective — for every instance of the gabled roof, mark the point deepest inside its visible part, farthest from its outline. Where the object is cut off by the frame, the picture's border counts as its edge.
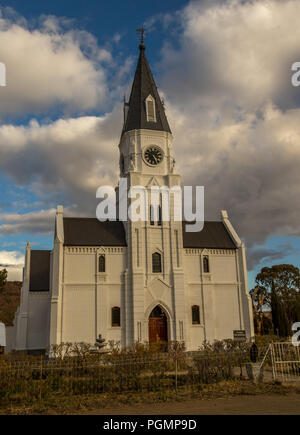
(39, 271)
(143, 86)
(214, 235)
(92, 232)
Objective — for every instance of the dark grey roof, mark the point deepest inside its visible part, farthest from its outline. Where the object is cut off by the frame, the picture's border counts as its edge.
(213, 235)
(143, 85)
(92, 232)
(39, 271)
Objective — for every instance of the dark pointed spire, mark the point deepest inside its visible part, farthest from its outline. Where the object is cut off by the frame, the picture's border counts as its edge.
(144, 86)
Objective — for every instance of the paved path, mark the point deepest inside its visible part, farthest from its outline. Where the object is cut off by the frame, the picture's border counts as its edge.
(260, 404)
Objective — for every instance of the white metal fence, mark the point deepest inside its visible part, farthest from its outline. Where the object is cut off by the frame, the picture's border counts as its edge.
(285, 361)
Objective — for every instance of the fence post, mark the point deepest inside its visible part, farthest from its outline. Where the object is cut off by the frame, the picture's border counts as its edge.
(273, 361)
(240, 361)
(41, 377)
(176, 371)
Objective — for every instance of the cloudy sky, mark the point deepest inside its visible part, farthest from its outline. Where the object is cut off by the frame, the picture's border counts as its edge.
(224, 71)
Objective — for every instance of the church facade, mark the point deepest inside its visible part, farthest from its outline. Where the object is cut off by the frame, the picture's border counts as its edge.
(143, 281)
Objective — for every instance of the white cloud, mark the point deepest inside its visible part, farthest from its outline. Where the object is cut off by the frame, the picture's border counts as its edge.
(249, 167)
(234, 53)
(40, 222)
(49, 65)
(235, 115)
(13, 262)
(66, 160)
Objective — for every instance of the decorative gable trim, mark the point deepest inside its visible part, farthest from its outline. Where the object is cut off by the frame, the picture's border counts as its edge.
(153, 182)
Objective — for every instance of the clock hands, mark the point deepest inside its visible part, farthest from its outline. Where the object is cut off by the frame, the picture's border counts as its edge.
(153, 156)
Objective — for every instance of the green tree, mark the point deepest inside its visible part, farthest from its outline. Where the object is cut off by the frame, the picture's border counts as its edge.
(280, 284)
(279, 318)
(3, 279)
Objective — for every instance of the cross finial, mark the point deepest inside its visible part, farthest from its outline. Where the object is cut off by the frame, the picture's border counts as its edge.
(141, 31)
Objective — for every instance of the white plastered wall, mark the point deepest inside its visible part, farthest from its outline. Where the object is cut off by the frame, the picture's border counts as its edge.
(89, 295)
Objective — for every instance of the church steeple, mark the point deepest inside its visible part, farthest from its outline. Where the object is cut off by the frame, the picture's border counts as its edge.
(145, 109)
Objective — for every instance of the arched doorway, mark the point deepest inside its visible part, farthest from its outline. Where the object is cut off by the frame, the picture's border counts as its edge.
(158, 326)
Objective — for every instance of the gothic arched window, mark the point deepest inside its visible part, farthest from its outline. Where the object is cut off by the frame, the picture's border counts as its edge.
(102, 263)
(151, 215)
(159, 215)
(150, 109)
(156, 263)
(205, 264)
(115, 316)
(195, 315)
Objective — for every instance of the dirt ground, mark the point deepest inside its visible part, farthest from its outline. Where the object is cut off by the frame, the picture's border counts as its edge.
(272, 404)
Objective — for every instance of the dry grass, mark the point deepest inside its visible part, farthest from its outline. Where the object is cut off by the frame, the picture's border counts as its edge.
(91, 403)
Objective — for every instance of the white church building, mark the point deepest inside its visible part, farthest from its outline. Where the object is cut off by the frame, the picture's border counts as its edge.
(143, 281)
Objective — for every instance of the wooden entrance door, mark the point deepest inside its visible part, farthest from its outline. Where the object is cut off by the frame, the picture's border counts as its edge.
(158, 326)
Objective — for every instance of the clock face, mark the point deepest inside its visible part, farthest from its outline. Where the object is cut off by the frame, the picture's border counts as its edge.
(153, 155)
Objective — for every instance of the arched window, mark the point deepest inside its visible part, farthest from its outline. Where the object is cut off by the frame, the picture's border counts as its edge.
(205, 264)
(159, 215)
(151, 215)
(150, 109)
(156, 263)
(195, 315)
(102, 263)
(115, 316)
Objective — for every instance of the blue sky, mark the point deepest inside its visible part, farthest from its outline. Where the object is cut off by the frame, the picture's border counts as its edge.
(102, 18)
(223, 69)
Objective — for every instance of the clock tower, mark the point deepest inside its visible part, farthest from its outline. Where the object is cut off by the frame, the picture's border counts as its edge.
(154, 280)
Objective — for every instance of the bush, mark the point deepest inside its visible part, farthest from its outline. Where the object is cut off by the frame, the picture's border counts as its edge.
(72, 369)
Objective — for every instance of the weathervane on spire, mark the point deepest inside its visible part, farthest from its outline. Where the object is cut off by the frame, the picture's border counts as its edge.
(141, 31)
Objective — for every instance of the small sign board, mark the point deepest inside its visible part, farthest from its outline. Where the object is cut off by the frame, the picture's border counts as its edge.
(239, 335)
(2, 335)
